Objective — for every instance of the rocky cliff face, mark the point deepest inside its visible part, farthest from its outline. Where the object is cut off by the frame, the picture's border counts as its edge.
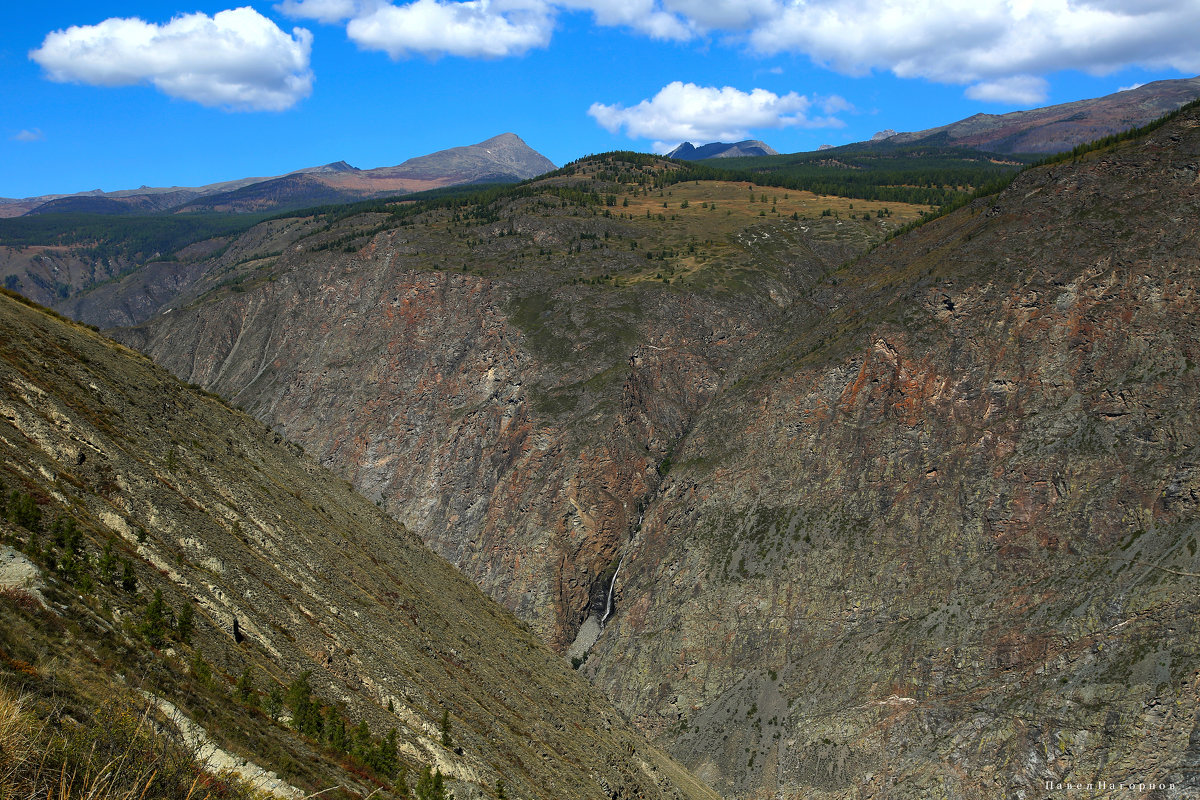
(518, 421)
(944, 542)
(921, 525)
(288, 570)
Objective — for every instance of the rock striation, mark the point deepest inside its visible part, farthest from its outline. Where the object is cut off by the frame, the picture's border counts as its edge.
(945, 541)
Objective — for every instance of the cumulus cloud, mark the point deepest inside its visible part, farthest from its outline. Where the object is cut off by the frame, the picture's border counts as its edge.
(996, 48)
(644, 16)
(685, 111)
(725, 15)
(988, 40)
(1019, 90)
(29, 135)
(236, 59)
(327, 11)
(477, 28)
(383, 25)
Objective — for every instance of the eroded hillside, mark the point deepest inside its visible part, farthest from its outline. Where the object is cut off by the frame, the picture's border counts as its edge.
(918, 523)
(944, 542)
(138, 502)
(510, 377)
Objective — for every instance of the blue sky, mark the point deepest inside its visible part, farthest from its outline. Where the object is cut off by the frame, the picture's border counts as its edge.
(117, 95)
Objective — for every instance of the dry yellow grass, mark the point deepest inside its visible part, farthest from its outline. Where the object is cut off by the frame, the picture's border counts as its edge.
(699, 220)
(708, 201)
(121, 756)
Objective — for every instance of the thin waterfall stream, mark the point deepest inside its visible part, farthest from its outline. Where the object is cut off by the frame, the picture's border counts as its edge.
(591, 628)
(611, 588)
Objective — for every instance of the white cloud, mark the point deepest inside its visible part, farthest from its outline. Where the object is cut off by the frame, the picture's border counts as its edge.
(725, 15)
(1018, 90)
(327, 11)
(685, 111)
(997, 48)
(645, 16)
(988, 40)
(236, 59)
(29, 135)
(478, 28)
(1131, 87)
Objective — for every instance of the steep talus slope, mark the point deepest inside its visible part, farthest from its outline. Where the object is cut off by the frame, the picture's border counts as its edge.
(510, 386)
(288, 571)
(945, 541)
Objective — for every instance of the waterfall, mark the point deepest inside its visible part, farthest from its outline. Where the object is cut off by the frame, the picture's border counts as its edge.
(611, 587)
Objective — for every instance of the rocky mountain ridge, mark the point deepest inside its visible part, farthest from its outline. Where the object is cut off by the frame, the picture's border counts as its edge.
(749, 147)
(524, 340)
(1057, 128)
(501, 158)
(944, 541)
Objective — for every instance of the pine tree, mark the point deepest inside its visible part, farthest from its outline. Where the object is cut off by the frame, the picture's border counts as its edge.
(386, 760)
(306, 714)
(245, 689)
(431, 785)
(107, 562)
(201, 671)
(361, 747)
(335, 732)
(274, 702)
(186, 623)
(156, 620)
(128, 577)
(400, 785)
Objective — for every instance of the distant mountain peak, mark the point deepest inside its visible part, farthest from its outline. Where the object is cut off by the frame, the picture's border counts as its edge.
(503, 157)
(749, 147)
(503, 139)
(327, 169)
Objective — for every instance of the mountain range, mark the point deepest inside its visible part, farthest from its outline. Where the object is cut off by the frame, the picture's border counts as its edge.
(832, 497)
(1051, 129)
(1060, 127)
(502, 158)
(750, 147)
